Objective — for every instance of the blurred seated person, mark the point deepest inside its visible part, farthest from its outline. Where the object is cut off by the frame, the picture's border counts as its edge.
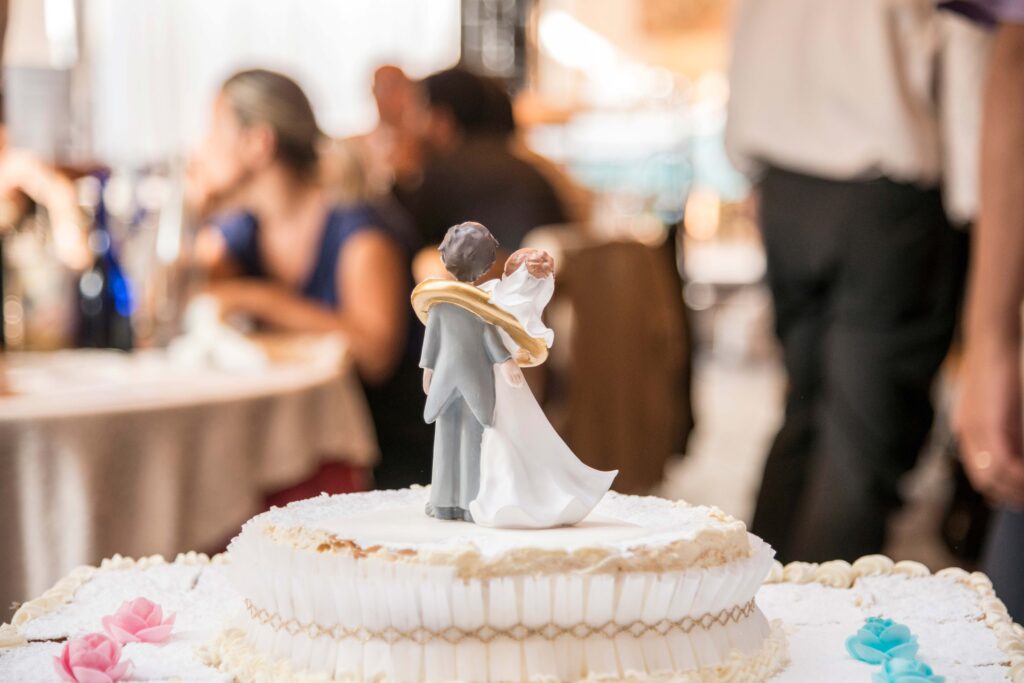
(575, 199)
(362, 169)
(390, 153)
(27, 180)
(346, 180)
(292, 259)
(470, 171)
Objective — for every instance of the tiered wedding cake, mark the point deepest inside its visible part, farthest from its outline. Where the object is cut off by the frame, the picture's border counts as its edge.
(962, 628)
(365, 587)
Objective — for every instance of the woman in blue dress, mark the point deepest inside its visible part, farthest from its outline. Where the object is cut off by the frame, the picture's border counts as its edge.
(287, 256)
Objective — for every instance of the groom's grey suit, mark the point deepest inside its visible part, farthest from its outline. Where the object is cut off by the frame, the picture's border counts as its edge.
(461, 350)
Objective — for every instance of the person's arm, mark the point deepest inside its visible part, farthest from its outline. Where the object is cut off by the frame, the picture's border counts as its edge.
(370, 274)
(500, 356)
(20, 170)
(4, 388)
(989, 416)
(431, 348)
(213, 254)
(373, 276)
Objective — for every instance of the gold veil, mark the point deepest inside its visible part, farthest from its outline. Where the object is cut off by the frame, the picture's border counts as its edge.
(432, 291)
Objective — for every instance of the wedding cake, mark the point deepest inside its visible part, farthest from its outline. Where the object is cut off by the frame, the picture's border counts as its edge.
(516, 564)
(366, 587)
(830, 613)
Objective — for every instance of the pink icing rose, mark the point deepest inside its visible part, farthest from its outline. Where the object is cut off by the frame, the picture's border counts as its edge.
(93, 658)
(138, 621)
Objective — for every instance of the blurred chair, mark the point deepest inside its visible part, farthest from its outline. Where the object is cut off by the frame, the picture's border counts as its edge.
(626, 377)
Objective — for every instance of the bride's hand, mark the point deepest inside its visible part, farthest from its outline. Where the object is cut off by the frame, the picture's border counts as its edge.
(512, 374)
(428, 374)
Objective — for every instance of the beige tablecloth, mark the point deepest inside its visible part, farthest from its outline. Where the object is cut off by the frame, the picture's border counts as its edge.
(103, 452)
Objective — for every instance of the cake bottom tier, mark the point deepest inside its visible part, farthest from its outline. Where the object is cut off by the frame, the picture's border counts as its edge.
(964, 631)
(233, 652)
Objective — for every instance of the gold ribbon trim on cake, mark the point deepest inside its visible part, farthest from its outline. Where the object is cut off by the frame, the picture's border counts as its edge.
(532, 351)
(486, 634)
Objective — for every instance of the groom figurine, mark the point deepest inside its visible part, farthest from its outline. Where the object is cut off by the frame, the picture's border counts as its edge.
(460, 351)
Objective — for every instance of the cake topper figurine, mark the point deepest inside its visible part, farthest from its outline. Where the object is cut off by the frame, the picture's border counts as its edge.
(497, 460)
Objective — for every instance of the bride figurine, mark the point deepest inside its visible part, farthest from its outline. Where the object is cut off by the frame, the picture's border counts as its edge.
(529, 478)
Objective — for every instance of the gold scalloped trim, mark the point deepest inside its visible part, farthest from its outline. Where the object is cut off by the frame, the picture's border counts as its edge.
(453, 635)
(840, 574)
(62, 592)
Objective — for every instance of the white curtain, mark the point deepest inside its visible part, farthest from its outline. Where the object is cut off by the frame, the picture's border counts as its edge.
(154, 66)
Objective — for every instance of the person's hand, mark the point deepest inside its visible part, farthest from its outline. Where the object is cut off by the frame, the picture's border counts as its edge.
(512, 374)
(5, 389)
(428, 375)
(239, 296)
(988, 421)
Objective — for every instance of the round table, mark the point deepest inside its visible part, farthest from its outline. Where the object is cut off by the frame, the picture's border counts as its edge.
(104, 452)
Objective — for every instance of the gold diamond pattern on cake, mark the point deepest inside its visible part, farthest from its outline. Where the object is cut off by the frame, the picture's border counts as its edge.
(487, 634)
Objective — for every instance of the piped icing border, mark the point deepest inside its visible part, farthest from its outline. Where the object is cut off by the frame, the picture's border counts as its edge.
(63, 592)
(717, 550)
(842, 574)
(722, 541)
(231, 653)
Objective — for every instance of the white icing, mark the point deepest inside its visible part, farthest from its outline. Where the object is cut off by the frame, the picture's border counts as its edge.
(872, 564)
(529, 477)
(408, 527)
(395, 519)
(800, 572)
(10, 636)
(944, 614)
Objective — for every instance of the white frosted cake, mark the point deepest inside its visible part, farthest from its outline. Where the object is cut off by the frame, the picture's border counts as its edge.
(366, 587)
(220, 635)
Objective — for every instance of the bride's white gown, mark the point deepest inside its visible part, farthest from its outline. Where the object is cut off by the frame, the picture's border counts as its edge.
(529, 478)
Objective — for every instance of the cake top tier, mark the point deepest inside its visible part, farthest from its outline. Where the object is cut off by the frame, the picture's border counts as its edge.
(623, 533)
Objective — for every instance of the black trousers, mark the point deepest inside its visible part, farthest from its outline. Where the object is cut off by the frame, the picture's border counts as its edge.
(406, 441)
(1004, 560)
(866, 279)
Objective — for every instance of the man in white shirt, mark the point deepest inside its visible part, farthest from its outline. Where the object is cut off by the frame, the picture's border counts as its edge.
(838, 114)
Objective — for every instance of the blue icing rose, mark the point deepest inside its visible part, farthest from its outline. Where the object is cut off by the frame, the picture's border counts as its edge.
(880, 640)
(903, 670)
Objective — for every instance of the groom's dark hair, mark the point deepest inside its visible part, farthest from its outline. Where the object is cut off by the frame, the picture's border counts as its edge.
(468, 251)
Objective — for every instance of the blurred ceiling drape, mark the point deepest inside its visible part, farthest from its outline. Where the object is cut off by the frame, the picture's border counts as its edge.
(154, 66)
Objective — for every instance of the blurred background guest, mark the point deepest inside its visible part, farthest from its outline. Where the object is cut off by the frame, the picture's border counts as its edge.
(284, 255)
(835, 115)
(469, 170)
(989, 416)
(390, 152)
(26, 179)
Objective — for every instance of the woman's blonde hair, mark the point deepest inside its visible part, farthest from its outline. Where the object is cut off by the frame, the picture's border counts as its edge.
(262, 97)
